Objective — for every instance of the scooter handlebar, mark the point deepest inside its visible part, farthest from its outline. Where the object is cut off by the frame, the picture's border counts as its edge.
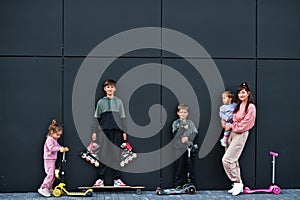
(273, 153)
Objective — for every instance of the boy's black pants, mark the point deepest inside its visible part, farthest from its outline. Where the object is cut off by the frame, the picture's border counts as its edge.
(182, 167)
(110, 153)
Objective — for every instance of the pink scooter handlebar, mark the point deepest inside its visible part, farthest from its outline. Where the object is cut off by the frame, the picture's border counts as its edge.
(273, 154)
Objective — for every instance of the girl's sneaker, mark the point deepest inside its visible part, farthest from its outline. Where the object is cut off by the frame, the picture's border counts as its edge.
(99, 183)
(118, 183)
(44, 192)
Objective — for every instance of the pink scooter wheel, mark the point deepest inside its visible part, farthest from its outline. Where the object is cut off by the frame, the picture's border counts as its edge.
(246, 190)
(276, 190)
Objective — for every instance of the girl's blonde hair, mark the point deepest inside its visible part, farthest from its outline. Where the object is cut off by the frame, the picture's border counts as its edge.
(54, 127)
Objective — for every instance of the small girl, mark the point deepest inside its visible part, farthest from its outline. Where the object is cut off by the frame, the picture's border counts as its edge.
(51, 147)
(226, 112)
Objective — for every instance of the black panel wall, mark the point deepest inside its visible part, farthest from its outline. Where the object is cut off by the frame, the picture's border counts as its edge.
(44, 44)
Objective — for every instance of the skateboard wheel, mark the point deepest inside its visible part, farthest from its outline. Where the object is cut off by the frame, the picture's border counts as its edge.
(57, 192)
(97, 164)
(83, 155)
(134, 155)
(138, 191)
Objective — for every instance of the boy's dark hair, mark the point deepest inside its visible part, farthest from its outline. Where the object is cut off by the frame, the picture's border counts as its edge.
(109, 82)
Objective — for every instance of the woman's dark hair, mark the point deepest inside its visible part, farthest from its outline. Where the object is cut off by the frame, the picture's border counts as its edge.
(244, 86)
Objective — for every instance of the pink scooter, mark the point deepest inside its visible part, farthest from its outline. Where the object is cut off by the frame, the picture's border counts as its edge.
(273, 188)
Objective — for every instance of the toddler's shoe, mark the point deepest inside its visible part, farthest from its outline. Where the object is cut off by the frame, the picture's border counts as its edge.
(223, 142)
(99, 183)
(118, 183)
(44, 192)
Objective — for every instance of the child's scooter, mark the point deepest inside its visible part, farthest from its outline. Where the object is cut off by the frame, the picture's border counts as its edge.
(188, 188)
(61, 187)
(273, 188)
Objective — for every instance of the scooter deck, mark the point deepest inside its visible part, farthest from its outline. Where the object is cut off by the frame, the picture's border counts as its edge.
(137, 188)
(187, 189)
(171, 191)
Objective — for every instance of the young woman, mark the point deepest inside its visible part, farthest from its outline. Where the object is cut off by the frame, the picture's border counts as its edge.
(243, 120)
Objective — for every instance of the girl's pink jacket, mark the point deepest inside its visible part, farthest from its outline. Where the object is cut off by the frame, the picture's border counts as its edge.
(51, 147)
(242, 121)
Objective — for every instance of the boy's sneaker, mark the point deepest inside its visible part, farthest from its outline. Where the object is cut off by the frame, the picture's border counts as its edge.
(99, 183)
(178, 188)
(44, 192)
(223, 142)
(118, 183)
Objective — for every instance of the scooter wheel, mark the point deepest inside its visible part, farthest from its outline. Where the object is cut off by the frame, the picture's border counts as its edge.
(89, 194)
(191, 189)
(57, 192)
(276, 190)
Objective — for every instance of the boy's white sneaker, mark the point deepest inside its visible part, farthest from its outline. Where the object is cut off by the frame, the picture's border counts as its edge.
(99, 183)
(237, 188)
(118, 183)
(44, 192)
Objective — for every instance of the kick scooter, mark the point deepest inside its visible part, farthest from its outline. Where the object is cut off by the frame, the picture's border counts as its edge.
(187, 188)
(272, 188)
(61, 187)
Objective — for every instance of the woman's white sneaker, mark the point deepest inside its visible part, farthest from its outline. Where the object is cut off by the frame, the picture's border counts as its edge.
(237, 188)
(231, 190)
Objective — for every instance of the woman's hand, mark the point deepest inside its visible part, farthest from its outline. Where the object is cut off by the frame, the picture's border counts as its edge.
(227, 127)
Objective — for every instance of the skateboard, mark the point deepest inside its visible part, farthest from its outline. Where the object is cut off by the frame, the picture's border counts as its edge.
(138, 189)
(127, 154)
(186, 189)
(91, 154)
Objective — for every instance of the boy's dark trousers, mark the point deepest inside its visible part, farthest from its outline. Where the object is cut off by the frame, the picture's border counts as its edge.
(111, 155)
(181, 167)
